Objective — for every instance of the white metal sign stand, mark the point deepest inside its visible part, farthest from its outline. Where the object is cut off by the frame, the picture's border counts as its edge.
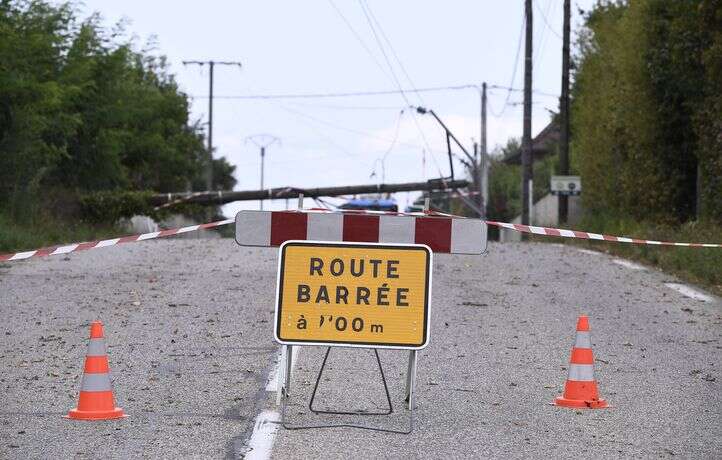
(285, 392)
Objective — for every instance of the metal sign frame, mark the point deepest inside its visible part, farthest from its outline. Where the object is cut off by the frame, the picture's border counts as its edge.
(284, 393)
(284, 390)
(427, 292)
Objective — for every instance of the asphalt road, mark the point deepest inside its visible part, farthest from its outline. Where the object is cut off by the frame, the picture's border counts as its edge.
(189, 329)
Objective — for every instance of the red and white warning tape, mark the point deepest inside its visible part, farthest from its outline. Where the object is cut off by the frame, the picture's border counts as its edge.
(56, 250)
(592, 236)
(559, 232)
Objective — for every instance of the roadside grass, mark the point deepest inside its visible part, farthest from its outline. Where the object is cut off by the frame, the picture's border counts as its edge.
(701, 266)
(40, 232)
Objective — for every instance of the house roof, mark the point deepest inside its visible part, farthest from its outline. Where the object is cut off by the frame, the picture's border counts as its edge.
(541, 145)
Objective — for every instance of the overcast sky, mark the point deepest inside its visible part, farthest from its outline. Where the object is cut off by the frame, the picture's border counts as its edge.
(323, 46)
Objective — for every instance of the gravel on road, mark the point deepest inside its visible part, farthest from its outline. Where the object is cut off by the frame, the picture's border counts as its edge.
(189, 329)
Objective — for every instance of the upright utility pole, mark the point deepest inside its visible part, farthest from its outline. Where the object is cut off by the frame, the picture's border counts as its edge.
(263, 156)
(483, 157)
(209, 164)
(526, 147)
(262, 141)
(477, 176)
(564, 114)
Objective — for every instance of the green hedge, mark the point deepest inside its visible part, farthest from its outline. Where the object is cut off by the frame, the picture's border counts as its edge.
(647, 110)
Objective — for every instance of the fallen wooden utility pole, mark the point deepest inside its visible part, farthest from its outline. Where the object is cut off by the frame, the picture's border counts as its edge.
(221, 197)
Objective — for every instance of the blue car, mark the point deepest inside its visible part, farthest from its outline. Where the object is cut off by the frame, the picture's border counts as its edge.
(371, 204)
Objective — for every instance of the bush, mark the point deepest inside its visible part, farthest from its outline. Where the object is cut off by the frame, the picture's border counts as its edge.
(100, 207)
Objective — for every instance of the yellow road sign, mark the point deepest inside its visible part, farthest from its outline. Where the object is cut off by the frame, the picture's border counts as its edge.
(353, 294)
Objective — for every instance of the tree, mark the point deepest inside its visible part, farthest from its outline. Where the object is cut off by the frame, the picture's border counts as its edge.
(644, 99)
(82, 110)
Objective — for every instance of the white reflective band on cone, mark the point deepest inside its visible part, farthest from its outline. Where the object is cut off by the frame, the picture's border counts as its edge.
(96, 347)
(583, 340)
(95, 382)
(581, 372)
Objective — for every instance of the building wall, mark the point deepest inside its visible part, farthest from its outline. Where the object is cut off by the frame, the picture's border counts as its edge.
(544, 214)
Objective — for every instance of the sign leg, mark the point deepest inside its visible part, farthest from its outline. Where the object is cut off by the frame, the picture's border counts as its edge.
(411, 379)
(281, 375)
(287, 374)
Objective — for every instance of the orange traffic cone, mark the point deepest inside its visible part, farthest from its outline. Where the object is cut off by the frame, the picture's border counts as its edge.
(580, 389)
(96, 395)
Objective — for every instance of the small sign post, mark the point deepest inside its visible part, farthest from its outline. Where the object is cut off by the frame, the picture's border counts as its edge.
(566, 185)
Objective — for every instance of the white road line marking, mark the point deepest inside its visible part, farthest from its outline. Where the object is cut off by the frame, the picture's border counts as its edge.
(276, 373)
(628, 264)
(588, 252)
(272, 382)
(690, 292)
(264, 433)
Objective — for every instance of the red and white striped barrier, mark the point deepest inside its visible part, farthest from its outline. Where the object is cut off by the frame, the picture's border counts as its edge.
(593, 236)
(66, 249)
(441, 232)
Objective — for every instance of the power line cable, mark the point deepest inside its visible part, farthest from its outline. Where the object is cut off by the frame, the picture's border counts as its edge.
(321, 134)
(398, 83)
(346, 107)
(342, 94)
(343, 128)
(358, 37)
(361, 93)
(541, 33)
(383, 53)
(543, 41)
(513, 72)
(544, 18)
(367, 9)
(393, 51)
(396, 136)
(520, 90)
(494, 113)
(392, 145)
